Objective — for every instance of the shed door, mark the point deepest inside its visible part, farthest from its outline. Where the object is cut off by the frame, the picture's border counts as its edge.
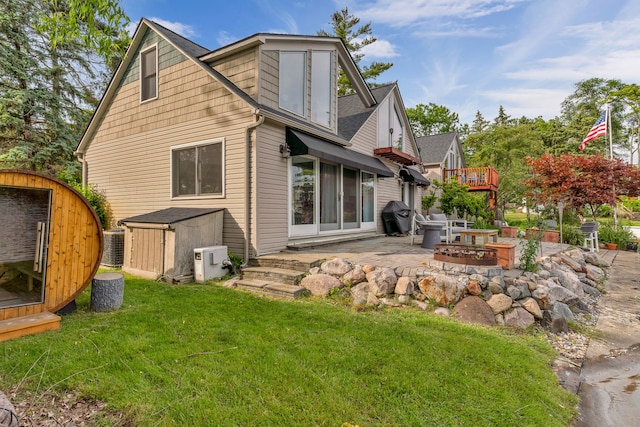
(24, 234)
(147, 250)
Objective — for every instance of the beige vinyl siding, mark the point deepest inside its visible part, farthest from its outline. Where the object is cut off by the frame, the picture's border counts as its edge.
(271, 196)
(268, 93)
(242, 70)
(130, 155)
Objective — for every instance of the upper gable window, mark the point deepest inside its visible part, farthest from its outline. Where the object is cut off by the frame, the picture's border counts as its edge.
(292, 82)
(321, 78)
(390, 126)
(149, 74)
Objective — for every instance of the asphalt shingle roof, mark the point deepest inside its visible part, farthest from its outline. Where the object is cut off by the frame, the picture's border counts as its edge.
(352, 113)
(434, 148)
(169, 215)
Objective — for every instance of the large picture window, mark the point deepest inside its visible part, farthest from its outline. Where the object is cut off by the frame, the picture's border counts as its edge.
(321, 92)
(292, 82)
(149, 74)
(197, 170)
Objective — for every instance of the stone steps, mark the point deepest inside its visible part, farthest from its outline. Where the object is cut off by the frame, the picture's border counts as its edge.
(273, 289)
(275, 277)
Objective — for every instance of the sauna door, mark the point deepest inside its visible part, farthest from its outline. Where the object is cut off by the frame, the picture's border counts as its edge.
(24, 232)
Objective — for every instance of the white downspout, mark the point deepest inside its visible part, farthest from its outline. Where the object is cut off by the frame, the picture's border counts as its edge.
(247, 183)
(80, 156)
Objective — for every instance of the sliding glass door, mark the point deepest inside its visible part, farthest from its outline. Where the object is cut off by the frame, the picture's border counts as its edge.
(326, 198)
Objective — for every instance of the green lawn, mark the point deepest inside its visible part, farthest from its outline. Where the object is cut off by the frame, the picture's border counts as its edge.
(521, 218)
(203, 355)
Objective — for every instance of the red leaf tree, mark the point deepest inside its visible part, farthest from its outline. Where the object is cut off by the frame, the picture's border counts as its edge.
(582, 181)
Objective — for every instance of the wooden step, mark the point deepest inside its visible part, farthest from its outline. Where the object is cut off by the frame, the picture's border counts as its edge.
(26, 325)
(270, 274)
(273, 289)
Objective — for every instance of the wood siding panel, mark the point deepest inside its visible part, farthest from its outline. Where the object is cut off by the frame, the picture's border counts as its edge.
(129, 157)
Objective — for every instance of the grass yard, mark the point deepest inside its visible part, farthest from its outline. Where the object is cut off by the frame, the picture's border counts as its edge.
(204, 355)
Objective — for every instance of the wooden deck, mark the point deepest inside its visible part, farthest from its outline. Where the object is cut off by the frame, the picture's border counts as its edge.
(476, 179)
(31, 324)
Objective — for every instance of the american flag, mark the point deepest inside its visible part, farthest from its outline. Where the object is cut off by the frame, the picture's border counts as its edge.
(598, 129)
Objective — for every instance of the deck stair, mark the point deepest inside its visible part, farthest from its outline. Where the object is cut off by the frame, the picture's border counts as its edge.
(29, 324)
(274, 276)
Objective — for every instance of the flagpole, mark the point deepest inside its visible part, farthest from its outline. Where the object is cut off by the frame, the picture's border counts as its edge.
(615, 201)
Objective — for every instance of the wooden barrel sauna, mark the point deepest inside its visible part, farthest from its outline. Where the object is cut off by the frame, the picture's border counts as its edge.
(50, 249)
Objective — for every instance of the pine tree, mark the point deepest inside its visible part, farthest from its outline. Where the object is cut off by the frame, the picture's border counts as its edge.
(344, 27)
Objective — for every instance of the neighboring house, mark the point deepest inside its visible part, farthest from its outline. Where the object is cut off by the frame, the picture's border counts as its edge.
(439, 152)
(255, 128)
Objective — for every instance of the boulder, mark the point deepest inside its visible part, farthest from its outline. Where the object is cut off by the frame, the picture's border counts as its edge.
(543, 297)
(382, 281)
(473, 309)
(442, 311)
(494, 287)
(355, 276)
(560, 293)
(442, 289)
(320, 284)
(572, 263)
(404, 286)
(594, 259)
(562, 310)
(569, 280)
(595, 273)
(336, 267)
(532, 307)
(519, 318)
(500, 303)
(474, 288)
(514, 292)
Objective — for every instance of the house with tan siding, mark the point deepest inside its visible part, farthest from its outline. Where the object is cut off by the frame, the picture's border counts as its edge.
(255, 128)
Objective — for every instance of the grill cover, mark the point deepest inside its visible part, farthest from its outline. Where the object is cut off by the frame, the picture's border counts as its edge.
(396, 217)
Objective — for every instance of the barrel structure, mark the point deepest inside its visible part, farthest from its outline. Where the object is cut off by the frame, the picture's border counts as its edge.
(55, 243)
(107, 291)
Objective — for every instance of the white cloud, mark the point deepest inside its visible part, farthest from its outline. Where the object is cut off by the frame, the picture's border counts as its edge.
(184, 30)
(379, 49)
(529, 102)
(451, 29)
(404, 12)
(224, 38)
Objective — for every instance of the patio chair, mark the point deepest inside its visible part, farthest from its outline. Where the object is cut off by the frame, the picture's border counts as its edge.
(590, 231)
(416, 225)
(450, 227)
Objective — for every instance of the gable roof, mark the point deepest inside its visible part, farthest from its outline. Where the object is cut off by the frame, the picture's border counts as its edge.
(352, 114)
(199, 55)
(434, 148)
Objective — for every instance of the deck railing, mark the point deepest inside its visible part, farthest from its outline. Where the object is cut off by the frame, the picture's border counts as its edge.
(474, 178)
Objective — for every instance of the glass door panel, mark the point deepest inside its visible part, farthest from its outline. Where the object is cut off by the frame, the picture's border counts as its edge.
(303, 193)
(368, 199)
(24, 232)
(350, 199)
(329, 202)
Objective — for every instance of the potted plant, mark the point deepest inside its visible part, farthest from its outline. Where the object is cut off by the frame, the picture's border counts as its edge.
(612, 234)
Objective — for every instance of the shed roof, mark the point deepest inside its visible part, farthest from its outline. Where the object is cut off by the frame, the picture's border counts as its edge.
(169, 215)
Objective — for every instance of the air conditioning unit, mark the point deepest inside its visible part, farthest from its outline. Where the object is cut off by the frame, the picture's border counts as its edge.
(208, 263)
(113, 248)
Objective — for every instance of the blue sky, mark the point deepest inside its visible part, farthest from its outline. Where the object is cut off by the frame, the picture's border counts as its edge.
(468, 55)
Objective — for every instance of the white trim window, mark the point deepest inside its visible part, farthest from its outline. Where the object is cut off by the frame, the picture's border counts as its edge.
(321, 84)
(293, 82)
(197, 169)
(149, 74)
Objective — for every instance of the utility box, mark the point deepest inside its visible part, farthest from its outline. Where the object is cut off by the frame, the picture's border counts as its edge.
(208, 263)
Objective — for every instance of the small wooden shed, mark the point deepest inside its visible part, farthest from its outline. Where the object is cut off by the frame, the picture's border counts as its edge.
(160, 244)
(50, 249)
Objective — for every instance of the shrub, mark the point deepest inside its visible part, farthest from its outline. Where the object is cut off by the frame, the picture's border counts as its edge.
(528, 255)
(572, 235)
(609, 233)
(98, 201)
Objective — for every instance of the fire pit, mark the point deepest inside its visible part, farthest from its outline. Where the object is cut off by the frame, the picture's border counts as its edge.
(465, 254)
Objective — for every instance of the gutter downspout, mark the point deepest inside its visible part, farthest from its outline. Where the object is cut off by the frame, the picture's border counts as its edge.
(80, 156)
(247, 183)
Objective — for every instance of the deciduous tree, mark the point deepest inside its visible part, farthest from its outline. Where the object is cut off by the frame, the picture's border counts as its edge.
(432, 119)
(582, 181)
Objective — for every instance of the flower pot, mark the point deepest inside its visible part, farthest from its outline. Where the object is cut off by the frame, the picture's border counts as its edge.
(534, 233)
(551, 236)
(612, 246)
(509, 232)
(506, 254)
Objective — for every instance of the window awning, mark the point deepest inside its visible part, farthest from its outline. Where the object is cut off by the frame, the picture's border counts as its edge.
(412, 175)
(300, 144)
